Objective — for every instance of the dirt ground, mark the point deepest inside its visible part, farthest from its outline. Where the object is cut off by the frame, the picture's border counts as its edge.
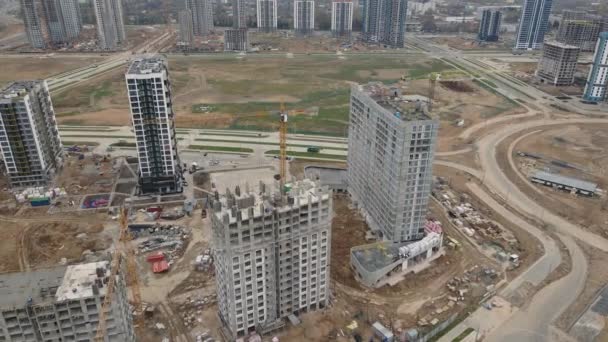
(37, 67)
(525, 71)
(584, 146)
(39, 241)
(296, 167)
(87, 176)
(469, 43)
(243, 93)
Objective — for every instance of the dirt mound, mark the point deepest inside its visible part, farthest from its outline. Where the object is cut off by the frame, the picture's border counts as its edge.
(458, 86)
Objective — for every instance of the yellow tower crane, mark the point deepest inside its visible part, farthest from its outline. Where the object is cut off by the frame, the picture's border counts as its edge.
(132, 280)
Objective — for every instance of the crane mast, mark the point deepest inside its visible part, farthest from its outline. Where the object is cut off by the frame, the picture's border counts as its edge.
(132, 279)
(283, 147)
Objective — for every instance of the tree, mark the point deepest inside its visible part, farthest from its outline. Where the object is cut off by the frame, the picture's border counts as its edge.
(427, 22)
(323, 20)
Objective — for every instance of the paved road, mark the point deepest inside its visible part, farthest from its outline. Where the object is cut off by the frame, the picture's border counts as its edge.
(495, 179)
(533, 323)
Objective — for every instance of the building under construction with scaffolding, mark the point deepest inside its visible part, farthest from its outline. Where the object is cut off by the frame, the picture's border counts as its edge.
(272, 252)
(63, 304)
(29, 138)
(153, 120)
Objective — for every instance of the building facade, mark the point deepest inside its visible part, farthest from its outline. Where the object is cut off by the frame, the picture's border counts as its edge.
(342, 18)
(239, 14)
(489, 27)
(29, 139)
(384, 22)
(236, 39)
(558, 63)
(153, 121)
(62, 19)
(202, 16)
(186, 29)
(533, 24)
(597, 82)
(271, 254)
(580, 29)
(110, 23)
(391, 146)
(304, 17)
(36, 28)
(267, 15)
(63, 304)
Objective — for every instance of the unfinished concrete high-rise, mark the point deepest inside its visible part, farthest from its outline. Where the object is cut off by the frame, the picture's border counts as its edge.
(341, 18)
(272, 254)
(267, 15)
(63, 304)
(29, 139)
(202, 16)
(236, 39)
(63, 20)
(384, 22)
(153, 121)
(110, 23)
(558, 63)
(391, 146)
(186, 29)
(580, 29)
(303, 17)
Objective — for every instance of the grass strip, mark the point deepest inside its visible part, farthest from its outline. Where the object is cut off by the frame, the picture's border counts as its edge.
(308, 155)
(220, 148)
(67, 143)
(271, 144)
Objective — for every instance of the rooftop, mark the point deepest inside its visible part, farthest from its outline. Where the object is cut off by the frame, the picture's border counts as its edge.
(298, 193)
(18, 89)
(39, 286)
(50, 285)
(146, 65)
(79, 280)
(561, 45)
(391, 99)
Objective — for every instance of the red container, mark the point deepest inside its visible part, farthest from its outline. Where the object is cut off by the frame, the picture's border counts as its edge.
(156, 257)
(160, 266)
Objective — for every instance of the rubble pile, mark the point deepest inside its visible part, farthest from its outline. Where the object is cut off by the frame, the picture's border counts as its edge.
(171, 239)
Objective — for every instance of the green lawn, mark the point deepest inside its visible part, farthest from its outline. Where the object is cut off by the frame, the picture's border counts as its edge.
(220, 148)
(124, 144)
(268, 143)
(79, 143)
(97, 136)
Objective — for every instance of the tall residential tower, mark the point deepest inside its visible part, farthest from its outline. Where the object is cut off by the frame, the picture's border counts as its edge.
(154, 126)
(239, 14)
(110, 23)
(391, 146)
(384, 22)
(341, 18)
(580, 29)
(533, 24)
(596, 89)
(202, 16)
(267, 15)
(272, 254)
(489, 27)
(186, 29)
(29, 139)
(304, 17)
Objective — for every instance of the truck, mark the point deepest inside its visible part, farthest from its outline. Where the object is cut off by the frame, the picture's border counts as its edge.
(193, 167)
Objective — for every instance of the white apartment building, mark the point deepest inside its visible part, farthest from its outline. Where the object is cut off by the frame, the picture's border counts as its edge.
(304, 16)
(29, 138)
(153, 121)
(271, 254)
(267, 15)
(202, 16)
(341, 18)
(596, 89)
(110, 23)
(391, 146)
(186, 28)
(63, 304)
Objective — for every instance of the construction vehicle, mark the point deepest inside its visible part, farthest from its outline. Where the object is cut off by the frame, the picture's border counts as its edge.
(124, 247)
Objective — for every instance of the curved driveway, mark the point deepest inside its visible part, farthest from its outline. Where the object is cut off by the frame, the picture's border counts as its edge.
(495, 179)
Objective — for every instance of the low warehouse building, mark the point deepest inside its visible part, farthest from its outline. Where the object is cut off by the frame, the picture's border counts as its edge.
(570, 184)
